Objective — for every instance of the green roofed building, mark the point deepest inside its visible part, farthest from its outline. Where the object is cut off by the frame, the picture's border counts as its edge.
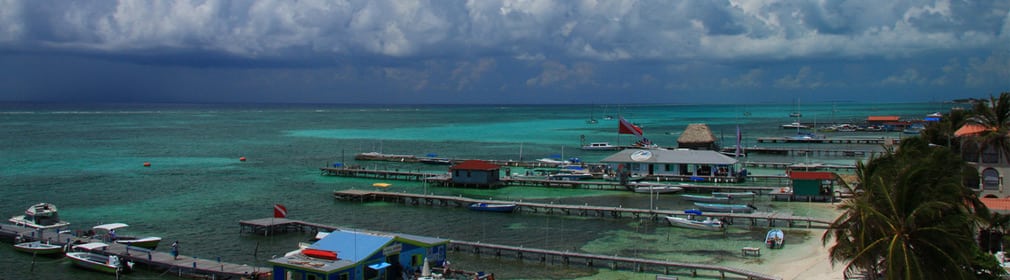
(346, 255)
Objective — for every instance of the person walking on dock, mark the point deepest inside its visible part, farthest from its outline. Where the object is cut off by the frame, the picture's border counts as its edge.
(175, 250)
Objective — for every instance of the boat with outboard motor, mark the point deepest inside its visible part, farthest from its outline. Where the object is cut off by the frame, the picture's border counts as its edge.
(84, 256)
(150, 242)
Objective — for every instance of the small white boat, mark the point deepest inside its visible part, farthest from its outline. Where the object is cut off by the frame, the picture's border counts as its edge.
(83, 257)
(707, 224)
(725, 208)
(492, 207)
(794, 125)
(600, 146)
(732, 195)
(39, 248)
(150, 242)
(705, 198)
(775, 239)
(657, 188)
(40, 216)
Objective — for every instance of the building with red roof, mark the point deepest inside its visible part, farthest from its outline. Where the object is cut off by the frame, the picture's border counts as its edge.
(476, 173)
(988, 160)
(812, 185)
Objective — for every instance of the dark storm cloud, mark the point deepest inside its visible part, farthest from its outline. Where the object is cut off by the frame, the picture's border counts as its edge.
(503, 51)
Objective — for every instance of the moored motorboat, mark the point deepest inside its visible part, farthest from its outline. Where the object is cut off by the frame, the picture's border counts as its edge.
(40, 216)
(794, 125)
(600, 146)
(725, 208)
(492, 207)
(775, 239)
(707, 224)
(39, 248)
(732, 195)
(109, 230)
(705, 198)
(657, 188)
(83, 257)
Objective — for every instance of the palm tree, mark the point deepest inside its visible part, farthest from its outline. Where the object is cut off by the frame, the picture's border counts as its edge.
(994, 115)
(942, 132)
(911, 217)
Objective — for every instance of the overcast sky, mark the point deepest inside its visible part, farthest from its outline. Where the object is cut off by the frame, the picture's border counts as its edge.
(485, 51)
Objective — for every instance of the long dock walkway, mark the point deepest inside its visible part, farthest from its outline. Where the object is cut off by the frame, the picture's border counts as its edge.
(184, 266)
(840, 140)
(277, 225)
(772, 218)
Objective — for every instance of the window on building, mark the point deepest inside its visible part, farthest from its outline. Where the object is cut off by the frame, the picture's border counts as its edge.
(345, 276)
(969, 152)
(990, 154)
(990, 179)
(668, 167)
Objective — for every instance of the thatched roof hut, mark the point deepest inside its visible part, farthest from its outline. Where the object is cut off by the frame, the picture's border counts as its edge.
(697, 136)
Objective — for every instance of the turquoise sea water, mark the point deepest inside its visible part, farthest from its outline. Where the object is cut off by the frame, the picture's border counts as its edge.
(88, 160)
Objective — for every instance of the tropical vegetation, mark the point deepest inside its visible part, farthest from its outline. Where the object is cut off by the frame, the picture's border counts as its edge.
(912, 218)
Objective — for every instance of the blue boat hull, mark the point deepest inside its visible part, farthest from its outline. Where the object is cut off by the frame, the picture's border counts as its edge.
(501, 208)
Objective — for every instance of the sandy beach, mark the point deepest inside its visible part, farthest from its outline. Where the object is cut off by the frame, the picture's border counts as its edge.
(810, 262)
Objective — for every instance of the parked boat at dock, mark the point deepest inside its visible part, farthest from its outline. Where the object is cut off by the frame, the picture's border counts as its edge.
(600, 146)
(83, 257)
(150, 242)
(40, 216)
(705, 198)
(492, 207)
(732, 195)
(707, 224)
(725, 208)
(795, 125)
(657, 188)
(39, 248)
(775, 239)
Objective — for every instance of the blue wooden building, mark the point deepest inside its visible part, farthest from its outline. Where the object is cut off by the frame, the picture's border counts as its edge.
(477, 173)
(346, 255)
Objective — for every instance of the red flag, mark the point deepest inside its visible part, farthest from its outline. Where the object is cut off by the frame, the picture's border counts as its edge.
(280, 211)
(625, 127)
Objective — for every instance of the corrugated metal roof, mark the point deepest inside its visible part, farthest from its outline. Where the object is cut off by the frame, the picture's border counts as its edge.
(669, 157)
(352, 246)
(811, 175)
(475, 165)
(882, 118)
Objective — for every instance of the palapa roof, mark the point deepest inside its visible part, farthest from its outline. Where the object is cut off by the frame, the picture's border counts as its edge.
(696, 133)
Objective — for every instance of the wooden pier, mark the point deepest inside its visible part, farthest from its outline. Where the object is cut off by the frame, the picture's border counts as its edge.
(791, 151)
(799, 166)
(772, 218)
(523, 253)
(183, 266)
(871, 141)
(593, 260)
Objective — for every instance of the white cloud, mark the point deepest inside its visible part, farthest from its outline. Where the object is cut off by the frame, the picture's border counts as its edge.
(751, 79)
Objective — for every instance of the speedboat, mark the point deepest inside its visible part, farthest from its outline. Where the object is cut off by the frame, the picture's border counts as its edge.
(649, 187)
(794, 125)
(705, 198)
(40, 216)
(708, 224)
(39, 248)
(726, 208)
(775, 239)
(732, 195)
(600, 146)
(150, 242)
(84, 257)
(492, 207)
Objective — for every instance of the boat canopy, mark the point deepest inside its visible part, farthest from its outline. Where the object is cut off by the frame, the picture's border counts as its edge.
(111, 226)
(91, 246)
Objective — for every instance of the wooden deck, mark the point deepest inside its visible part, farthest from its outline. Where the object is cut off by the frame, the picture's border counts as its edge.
(184, 266)
(772, 218)
(546, 256)
(791, 151)
(847, 140)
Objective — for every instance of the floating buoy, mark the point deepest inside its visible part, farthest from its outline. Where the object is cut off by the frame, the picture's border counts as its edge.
(147, 164)
(241, 159)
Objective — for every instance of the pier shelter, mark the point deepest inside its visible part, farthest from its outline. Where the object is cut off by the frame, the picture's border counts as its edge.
(697, 136)
(813, 186)
(345, 255)
(678, 164)
(475, 173)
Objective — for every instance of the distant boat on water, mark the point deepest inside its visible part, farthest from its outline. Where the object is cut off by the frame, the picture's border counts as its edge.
(705, 198)
(492, 207)
(725, 208)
